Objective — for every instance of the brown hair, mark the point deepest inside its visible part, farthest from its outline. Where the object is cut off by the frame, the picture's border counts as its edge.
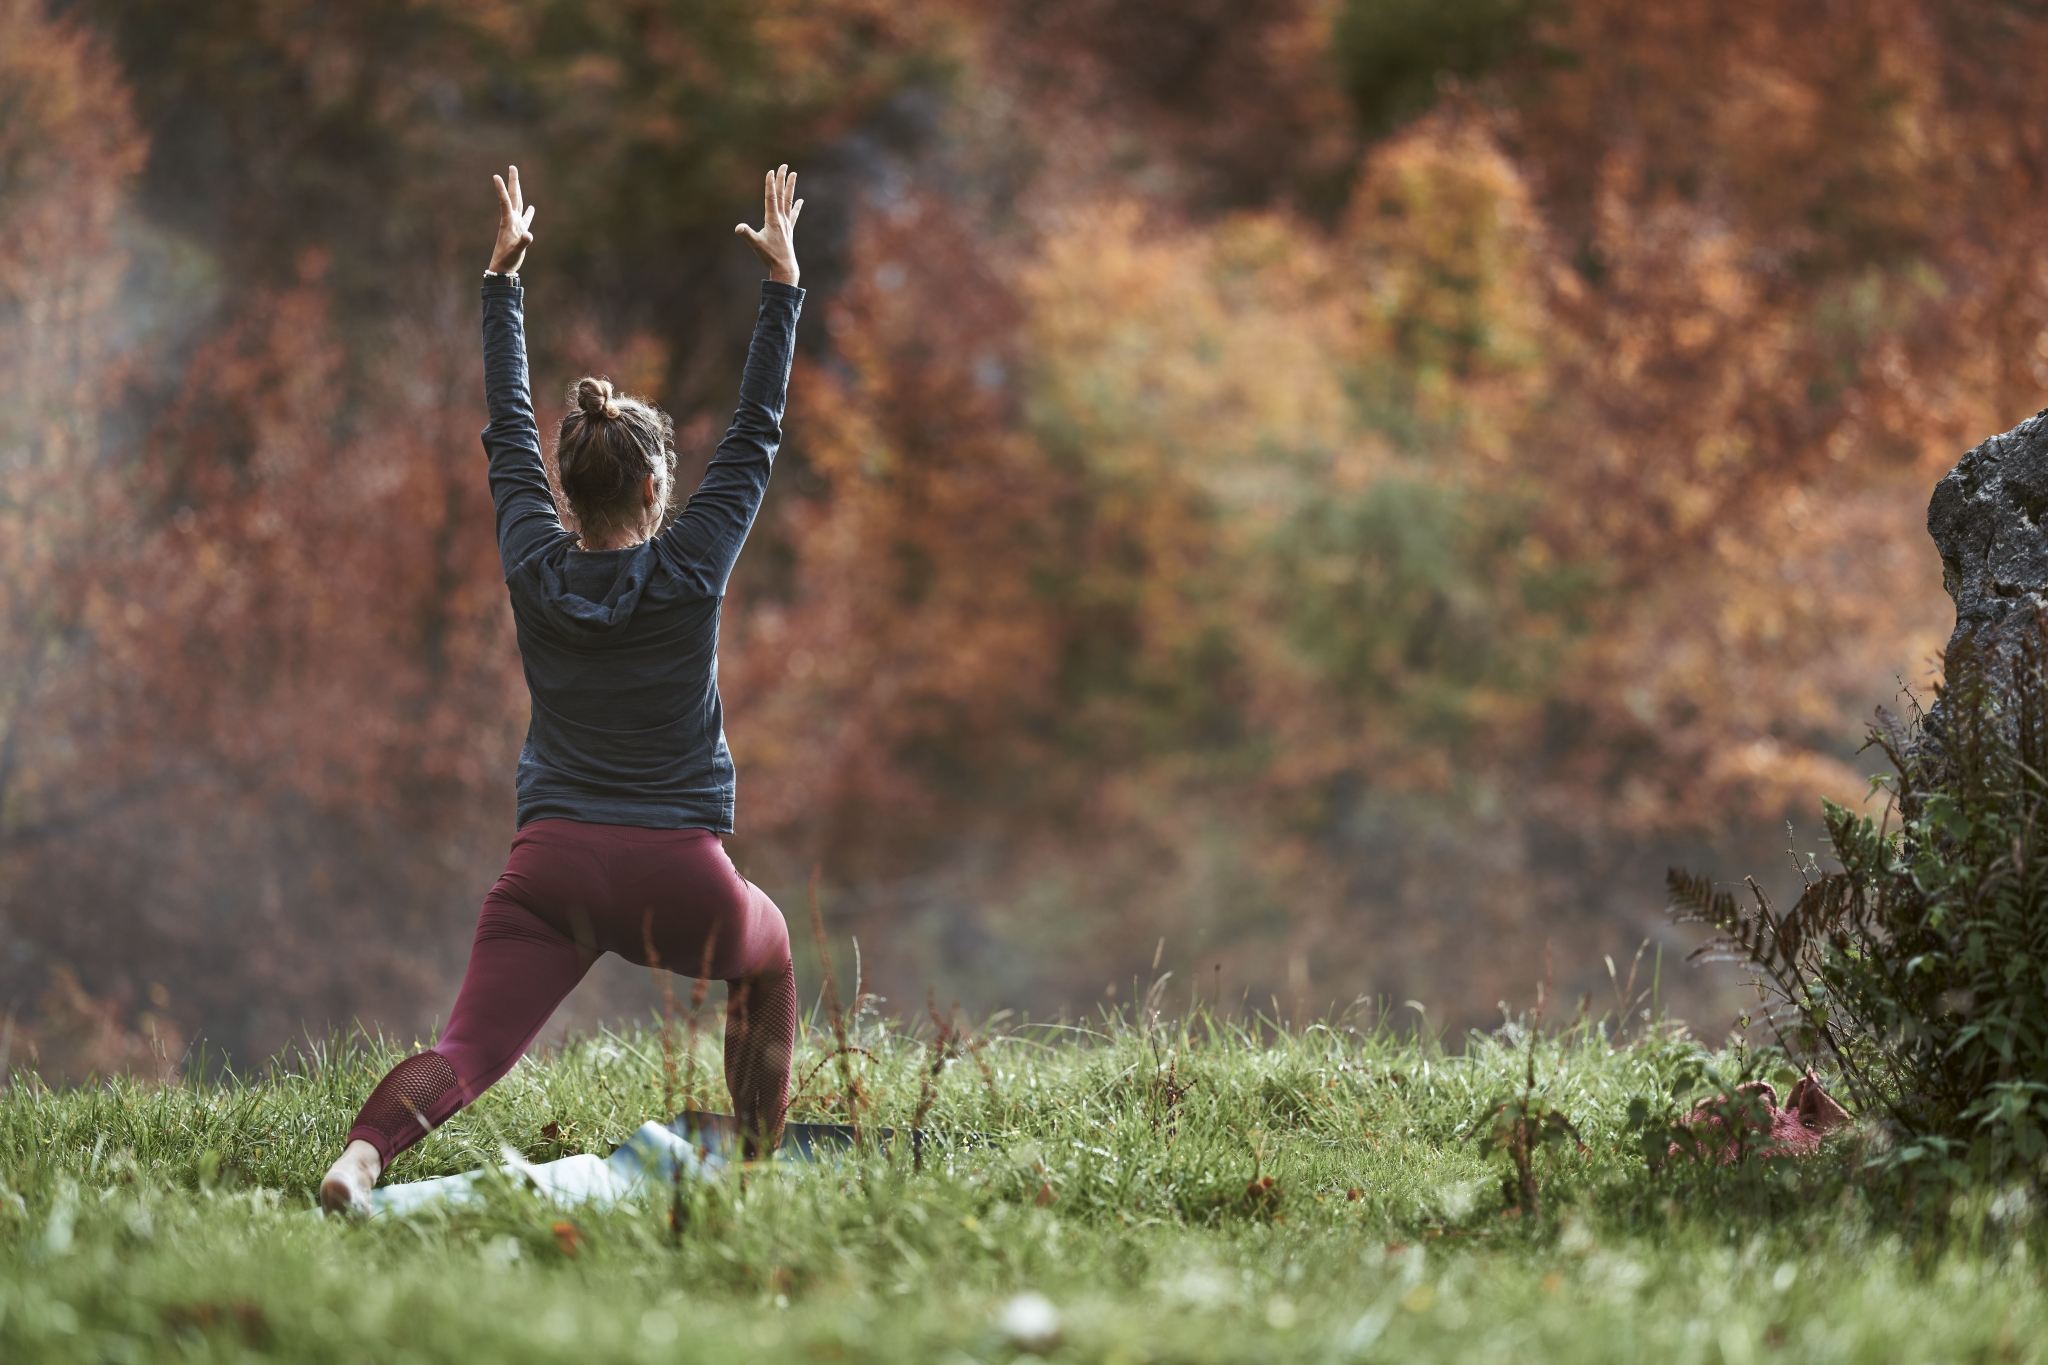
(608, 444)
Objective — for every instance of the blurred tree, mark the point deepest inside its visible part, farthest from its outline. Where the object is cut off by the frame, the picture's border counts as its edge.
(1334, 533)
(1396, 54)
(1538, 471)
(1219, 103)
(68, 152)
(639, 127)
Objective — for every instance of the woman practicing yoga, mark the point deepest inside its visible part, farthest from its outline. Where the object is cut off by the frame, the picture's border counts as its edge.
(625, 784)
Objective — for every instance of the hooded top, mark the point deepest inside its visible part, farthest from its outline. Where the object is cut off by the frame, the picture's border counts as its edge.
(621, 646)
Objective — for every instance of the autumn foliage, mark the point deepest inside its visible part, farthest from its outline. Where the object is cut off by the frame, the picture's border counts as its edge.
(1342, 486)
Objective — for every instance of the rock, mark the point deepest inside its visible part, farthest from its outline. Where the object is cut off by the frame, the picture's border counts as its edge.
(1989, 520)
(1986, 518)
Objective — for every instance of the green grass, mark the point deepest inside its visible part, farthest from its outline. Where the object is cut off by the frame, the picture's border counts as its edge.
(141, 1222)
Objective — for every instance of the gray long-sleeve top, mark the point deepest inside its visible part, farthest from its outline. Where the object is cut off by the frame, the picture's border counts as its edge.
(621, 646)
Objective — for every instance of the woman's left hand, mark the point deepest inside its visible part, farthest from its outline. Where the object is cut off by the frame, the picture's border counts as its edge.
(515, 224)
(774, 243)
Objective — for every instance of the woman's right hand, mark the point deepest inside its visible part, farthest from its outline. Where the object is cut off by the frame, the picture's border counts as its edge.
(515, 223)
(773, 243)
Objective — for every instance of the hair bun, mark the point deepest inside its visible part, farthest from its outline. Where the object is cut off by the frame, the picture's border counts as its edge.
(594, 396)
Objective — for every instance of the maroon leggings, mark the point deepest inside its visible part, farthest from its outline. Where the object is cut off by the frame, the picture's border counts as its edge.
(572, 892)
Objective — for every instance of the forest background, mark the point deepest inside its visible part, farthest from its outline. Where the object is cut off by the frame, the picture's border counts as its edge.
(1350, 488)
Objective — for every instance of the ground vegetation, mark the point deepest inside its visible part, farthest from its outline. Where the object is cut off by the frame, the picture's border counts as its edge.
(1914, 970)
(1145, 1189)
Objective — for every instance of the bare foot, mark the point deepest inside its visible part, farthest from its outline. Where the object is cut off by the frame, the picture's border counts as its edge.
(347, 1186)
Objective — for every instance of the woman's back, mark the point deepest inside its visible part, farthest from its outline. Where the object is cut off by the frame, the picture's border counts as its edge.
(622, 666)
(621, 646)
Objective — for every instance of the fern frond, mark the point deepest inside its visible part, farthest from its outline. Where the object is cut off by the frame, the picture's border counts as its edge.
(1694, 901)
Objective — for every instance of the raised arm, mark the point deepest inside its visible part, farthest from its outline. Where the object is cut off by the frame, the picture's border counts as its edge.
(527, 519)
(706, 538)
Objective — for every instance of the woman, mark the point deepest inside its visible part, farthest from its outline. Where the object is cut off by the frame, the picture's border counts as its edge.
(625, 784)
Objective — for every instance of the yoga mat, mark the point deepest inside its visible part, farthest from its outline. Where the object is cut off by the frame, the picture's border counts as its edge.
(696, 1145)
(651, 1158)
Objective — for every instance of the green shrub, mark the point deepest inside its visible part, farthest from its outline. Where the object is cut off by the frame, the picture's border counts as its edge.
(1919, 971)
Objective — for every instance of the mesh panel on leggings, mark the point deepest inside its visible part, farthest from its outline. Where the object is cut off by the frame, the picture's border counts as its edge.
(402, 1105)
(760, 1035)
